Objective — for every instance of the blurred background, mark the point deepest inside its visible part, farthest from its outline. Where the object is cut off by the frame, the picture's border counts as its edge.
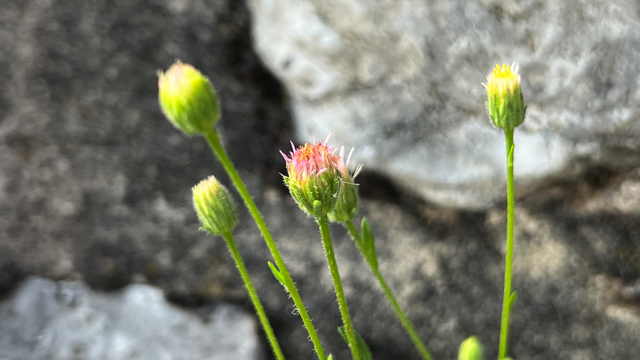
(95, 185)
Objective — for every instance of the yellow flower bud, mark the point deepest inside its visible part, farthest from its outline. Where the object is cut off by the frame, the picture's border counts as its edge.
(470, 349)
(506, 105)
(188, 99)
(215, 207)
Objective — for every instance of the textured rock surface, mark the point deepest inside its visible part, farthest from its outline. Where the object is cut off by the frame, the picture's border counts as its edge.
(91, 172)
(400, 81)
(95, 185)
(66, 320)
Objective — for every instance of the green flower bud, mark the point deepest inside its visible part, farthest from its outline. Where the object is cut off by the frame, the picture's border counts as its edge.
(314, 178)
(470, 349)
(347, 203)
(506, 104)
(188, 99)
(216, 209)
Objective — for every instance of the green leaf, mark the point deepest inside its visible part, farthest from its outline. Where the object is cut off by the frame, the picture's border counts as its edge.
(512, 299)
(330, 357)
(368, 243)
(365, 353)
(343, 332)
(277, 274)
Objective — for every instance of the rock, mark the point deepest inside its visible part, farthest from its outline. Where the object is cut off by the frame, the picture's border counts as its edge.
(95, 186)
(401, 82)
(67, 320)
(89, 166)
(575, 271)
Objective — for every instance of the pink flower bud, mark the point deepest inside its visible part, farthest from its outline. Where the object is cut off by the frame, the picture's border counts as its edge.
(314, 177)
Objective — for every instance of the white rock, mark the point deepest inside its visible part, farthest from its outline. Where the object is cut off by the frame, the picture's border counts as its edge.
(67, 320)
(401, 82)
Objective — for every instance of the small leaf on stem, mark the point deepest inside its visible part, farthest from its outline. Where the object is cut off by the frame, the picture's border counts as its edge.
(512, 299)
(368, 244)
(362, 345)
(277, 274)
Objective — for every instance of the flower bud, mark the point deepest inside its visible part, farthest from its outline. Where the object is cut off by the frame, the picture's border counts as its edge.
(506, 105)
(314, 177)
(188, 99)
(347, 203)
(216, 209)
(470, 349)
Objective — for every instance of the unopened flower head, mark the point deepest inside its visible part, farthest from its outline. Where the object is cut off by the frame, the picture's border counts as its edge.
(470, 349)
(314, 177)
(506, 105)
(215, 207)
(347, 203)
(188, 99)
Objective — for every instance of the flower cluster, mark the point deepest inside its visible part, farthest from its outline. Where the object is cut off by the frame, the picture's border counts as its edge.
(319, 180)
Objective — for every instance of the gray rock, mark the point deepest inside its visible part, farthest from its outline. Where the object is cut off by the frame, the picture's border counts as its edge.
(67, 320)
(401, 82)
(95, 186)
(89, 167)
(575, 272)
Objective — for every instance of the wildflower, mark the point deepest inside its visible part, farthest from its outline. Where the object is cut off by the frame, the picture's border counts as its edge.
(314, 177)
(188, 99)
(215, 207)
(506, 105)
(347, 203)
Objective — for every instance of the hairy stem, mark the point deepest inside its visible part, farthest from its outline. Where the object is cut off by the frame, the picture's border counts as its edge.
(323, 224)
(214, 142)
(422, 349)
(506, 303)
(264, 321)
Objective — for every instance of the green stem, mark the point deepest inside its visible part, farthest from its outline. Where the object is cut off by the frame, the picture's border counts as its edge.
(264, 321)
(323, 224)
(506, 301)
(422, 349)
(214, 142)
